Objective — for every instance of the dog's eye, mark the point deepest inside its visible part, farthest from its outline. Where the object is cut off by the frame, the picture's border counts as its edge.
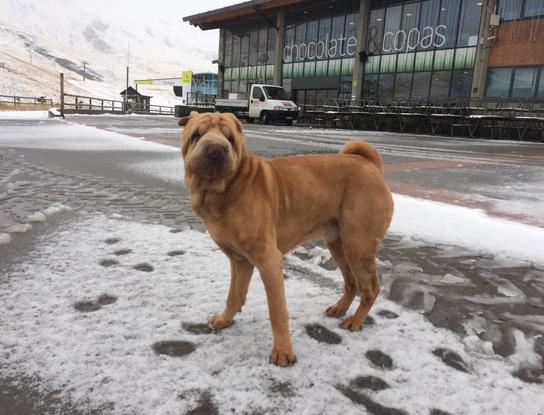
(231, 140)
(195, 136)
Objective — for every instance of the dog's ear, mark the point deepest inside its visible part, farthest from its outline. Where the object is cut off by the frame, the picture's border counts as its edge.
(184, 120)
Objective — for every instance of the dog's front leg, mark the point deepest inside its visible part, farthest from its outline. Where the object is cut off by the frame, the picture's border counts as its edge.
(270, 268)
(240, 276)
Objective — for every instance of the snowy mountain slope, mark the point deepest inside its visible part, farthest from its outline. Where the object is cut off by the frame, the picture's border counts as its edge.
(40, 39)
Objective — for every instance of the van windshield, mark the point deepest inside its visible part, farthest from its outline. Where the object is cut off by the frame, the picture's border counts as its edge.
(273, 92)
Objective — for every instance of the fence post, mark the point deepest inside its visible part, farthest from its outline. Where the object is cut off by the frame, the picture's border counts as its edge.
(62, 95)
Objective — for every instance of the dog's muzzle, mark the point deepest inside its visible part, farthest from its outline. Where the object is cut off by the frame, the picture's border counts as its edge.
(216, 154)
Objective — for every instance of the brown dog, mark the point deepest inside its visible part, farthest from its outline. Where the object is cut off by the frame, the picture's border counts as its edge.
(256, 210)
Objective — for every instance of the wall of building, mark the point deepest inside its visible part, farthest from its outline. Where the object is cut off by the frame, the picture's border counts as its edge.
(516, 58)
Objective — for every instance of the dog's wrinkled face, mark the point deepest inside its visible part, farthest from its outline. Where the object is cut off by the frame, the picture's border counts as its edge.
(212, 146)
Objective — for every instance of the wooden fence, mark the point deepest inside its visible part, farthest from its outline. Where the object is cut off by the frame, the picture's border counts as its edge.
(82, 104)
(18, 100)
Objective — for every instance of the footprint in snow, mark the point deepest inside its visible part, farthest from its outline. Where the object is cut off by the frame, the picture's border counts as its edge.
(144, 267)
(120, 252)
(111, 241)
(109, 262)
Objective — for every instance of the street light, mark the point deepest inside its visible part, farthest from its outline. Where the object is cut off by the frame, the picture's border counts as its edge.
(85, 63)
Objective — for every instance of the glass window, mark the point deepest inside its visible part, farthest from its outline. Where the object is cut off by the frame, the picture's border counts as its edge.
(321, 68)
(244, 51)
(309, 68)
(461, 84)
(311, 36)
(337, 32)
(235, 50)
(349, 47)
(408, 37)
(443, 59)
(446, 31)
(334, 67)
(385, 86)
(424, 61)
(301, 97)
(323, 38)
(540, 92)
(370, 86)
(263, 38)
(510, 9)
(228, 48)
(393, 17)
(321, 96)
(311, 97)
(271, 44)
(420, 84)
(440, 84)
(534, 8)
(402, 85)
(300, 51)
(430, 10)
(498, 82)
(524, 82)
(469, 23)
(273, 92)
(375, 31)
(406, 62)
(289, 43)
(253, 47)
(464, 58)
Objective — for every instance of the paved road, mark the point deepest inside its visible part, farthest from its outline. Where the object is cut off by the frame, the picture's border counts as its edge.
(502, 177)
(462, 290)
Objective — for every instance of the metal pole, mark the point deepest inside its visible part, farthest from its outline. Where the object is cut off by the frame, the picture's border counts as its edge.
(126, 94)
(62, 95)
(84, 67)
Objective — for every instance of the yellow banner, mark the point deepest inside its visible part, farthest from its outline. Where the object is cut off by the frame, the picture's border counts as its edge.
(144, 82)
(186, 77)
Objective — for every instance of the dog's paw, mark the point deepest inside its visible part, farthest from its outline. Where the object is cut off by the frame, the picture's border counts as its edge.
(283, 356)
(352, 323)
(218, 322)
(335, 311)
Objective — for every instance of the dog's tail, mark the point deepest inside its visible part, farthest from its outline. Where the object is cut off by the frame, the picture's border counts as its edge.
(363, 149)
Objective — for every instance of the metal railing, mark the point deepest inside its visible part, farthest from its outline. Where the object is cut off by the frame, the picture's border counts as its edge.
(79, 103)
(475, 117)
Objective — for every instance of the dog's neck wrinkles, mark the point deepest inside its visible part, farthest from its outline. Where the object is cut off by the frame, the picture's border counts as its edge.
(210, 202)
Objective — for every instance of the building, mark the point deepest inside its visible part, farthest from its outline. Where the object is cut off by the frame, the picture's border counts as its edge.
(136, 100)
(381, 48)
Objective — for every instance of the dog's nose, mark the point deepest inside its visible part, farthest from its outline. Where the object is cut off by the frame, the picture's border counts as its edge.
(216, 153)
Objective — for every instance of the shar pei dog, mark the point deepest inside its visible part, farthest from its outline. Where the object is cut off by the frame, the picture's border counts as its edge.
(257, 210)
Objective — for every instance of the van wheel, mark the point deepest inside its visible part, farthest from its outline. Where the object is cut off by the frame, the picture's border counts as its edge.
(265, 118)
(288, 122)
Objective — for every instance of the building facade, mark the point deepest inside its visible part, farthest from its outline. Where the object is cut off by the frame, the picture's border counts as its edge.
(385, 49)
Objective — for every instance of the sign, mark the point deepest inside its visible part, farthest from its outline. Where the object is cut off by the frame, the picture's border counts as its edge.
(186, 77)
(407, 41)
(322, 49)
(163, 81)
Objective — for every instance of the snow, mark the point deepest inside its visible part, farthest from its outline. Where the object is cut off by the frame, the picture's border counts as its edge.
(105, 358)
(37, 44)
(23, 115)
(454, 225)
(61, 135)
(5, 238)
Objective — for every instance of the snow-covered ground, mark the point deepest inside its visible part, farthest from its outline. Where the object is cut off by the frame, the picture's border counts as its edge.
(87, 309)
(105, 357)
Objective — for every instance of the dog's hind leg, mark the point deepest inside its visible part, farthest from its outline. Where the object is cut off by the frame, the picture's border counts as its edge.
(350, 289)
(241, 272)
(367, 277)
(362, 261)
